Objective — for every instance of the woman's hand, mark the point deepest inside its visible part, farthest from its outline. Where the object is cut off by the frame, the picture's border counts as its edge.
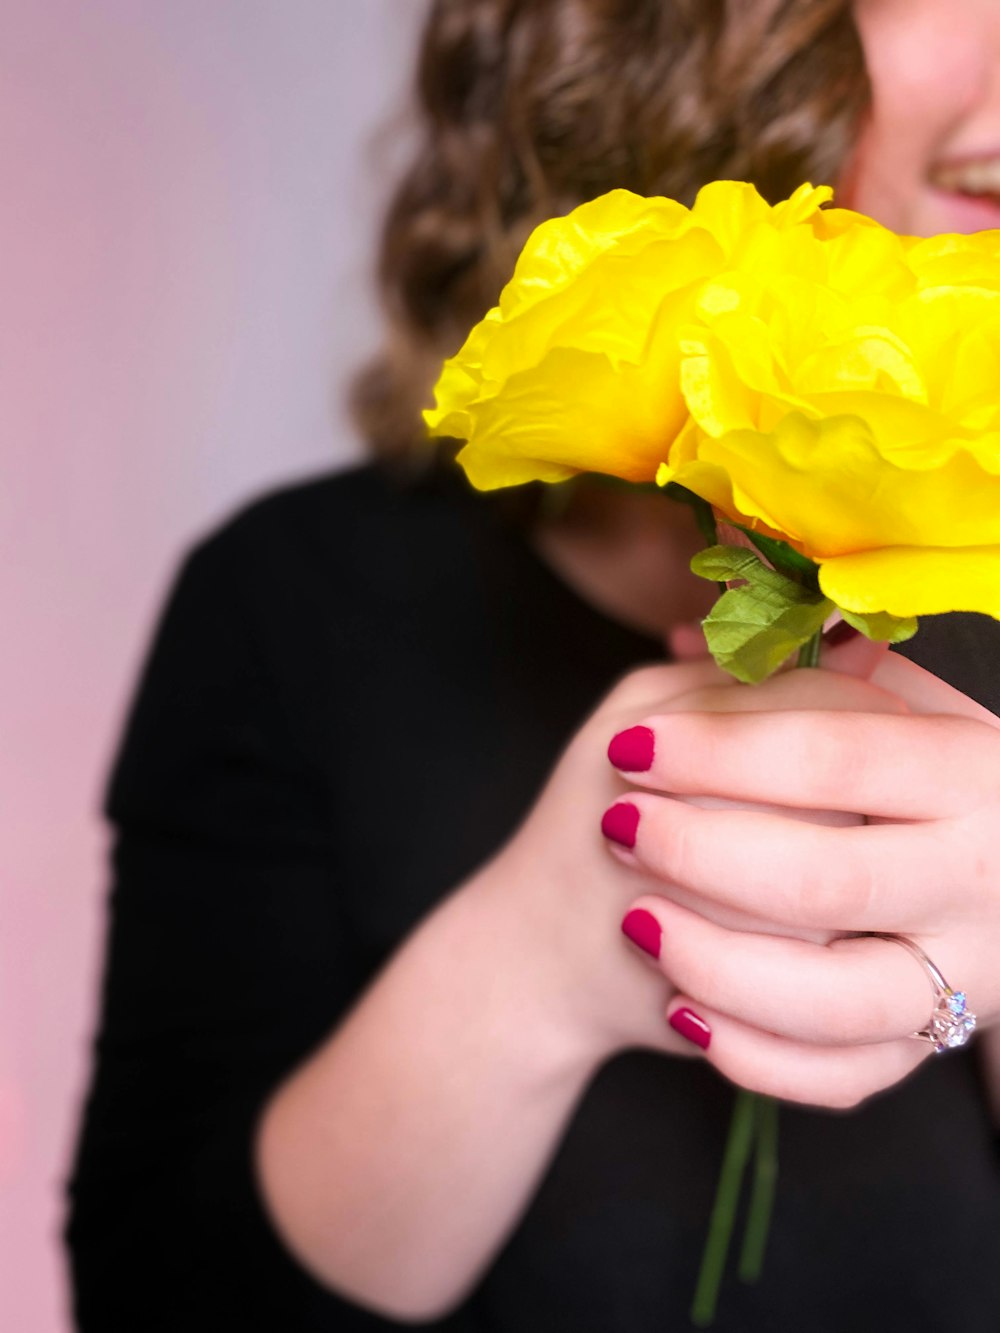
(555, 883)
(822, 1020)
(398, 1157)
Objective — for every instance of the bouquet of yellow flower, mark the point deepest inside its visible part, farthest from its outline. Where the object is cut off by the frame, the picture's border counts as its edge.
(822, 384)
(818, 380)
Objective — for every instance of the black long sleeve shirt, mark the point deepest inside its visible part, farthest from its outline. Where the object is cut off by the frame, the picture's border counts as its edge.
(355, 693)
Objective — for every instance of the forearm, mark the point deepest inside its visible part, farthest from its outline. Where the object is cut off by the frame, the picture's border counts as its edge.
(397, 1160)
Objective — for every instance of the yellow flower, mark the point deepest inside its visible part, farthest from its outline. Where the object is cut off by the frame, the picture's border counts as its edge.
(855, 413)
(811, 374)
(578, 367)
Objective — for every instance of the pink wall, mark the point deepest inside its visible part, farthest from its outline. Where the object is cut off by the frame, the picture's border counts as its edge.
(188, 200)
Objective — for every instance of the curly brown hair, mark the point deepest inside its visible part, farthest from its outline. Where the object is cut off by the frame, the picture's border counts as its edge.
(529, 107)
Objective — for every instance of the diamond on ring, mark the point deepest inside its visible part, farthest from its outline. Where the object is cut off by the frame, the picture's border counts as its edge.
(952, 1023)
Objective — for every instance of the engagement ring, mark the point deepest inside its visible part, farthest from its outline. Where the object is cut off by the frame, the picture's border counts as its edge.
(952, 1022)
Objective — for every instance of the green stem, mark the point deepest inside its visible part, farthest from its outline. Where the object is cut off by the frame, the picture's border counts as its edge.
(765, 1182)
(754, 1123)
(705, 518)
(809, 652)
(720, 1227)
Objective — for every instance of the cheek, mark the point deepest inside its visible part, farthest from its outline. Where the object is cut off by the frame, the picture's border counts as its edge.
(928, 64)
(928, 72)
(881, 178)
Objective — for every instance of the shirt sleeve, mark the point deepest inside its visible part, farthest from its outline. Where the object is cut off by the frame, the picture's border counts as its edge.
(227, 960)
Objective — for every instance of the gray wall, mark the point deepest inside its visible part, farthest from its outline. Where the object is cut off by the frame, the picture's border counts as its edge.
(190, 193)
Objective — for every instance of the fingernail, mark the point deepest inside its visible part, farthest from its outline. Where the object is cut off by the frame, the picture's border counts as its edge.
(632, 750)
(620, 822)
(643, 929)
(842, 632)
(689, 1025)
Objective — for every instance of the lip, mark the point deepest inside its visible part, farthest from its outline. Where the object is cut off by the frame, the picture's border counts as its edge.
(967, 158)
(965, 212)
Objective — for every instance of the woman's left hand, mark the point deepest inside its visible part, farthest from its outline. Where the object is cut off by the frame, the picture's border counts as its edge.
(825, 1023)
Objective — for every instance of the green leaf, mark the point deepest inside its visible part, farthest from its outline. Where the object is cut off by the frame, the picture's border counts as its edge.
(785, 558)
(722, 563)
(882, 627)
(753, 629)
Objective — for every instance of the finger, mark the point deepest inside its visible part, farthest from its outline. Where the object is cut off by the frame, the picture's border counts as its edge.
(658, 684)
(840, 1077)
(852, 992)
(886, 877)
(844, 648)
(828, 690)
(819, 760)
(702, 687)
(850, 652)
(686, 642)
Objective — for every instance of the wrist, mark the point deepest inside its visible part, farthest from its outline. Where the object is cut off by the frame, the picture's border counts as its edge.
(532, 970)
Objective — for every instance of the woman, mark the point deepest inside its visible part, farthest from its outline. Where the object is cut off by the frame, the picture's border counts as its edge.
(373, 1047)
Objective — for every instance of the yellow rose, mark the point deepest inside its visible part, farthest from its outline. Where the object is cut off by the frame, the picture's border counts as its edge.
(577, 368)
(811, 374)
(855, 413)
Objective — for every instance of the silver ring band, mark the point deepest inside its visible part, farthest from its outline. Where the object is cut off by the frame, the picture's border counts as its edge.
(952, 1022)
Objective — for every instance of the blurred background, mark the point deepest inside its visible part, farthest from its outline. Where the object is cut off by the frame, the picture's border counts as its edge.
(190, 195)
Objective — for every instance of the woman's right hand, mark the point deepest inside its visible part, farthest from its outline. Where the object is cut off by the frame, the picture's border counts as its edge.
(559, 876)
(400, 1155)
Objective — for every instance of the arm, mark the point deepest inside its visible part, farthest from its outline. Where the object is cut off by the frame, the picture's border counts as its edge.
(232, 958)
(398, 1158)
(228, 957)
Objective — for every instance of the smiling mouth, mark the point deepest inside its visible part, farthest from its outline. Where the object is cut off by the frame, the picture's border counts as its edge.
(976, 178)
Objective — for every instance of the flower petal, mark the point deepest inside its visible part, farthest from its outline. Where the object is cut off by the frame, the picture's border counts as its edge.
(915, 580)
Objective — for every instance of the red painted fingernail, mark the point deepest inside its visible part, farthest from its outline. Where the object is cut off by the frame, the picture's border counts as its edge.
(643, 929)
(632, 750)
(840, 633)
(689, 1025)
(620, 822)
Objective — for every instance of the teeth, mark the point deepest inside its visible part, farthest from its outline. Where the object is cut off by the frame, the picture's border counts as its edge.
(969, 178)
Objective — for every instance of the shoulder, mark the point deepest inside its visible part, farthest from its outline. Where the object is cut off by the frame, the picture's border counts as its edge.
(334, 513)
(304, 596)
(349, 538)
(313, 508)
(248, 648)
(299, 610)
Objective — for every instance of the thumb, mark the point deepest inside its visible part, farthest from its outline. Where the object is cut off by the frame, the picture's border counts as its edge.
(850, 652)
(844, 648)
(686, 641)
